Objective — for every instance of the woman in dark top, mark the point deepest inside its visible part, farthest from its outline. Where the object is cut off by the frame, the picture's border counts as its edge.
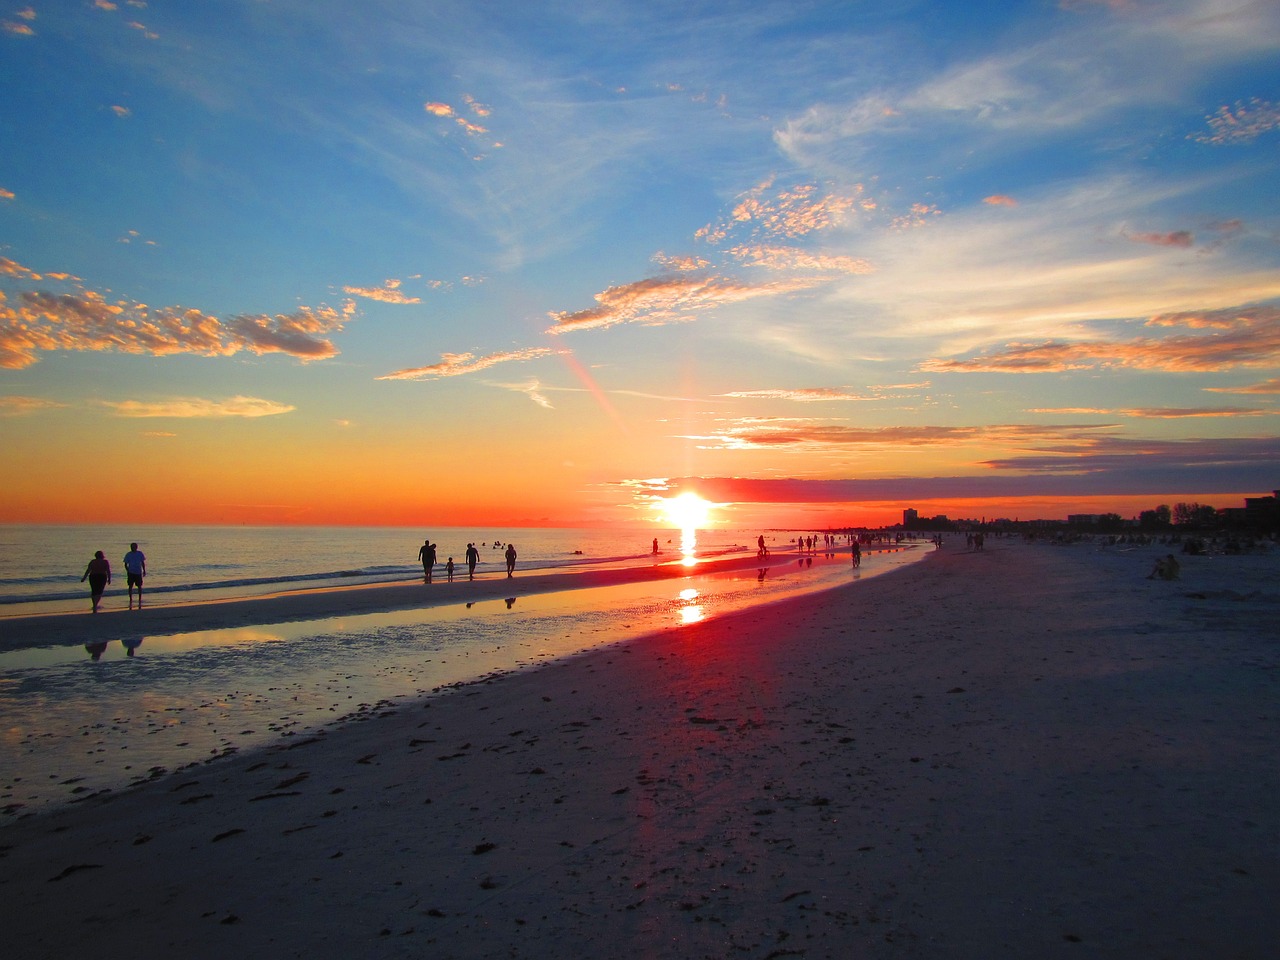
(98, 573)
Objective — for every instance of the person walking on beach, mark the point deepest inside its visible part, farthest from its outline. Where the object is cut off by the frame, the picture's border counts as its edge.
(135, 568)
(473, 557)
(448, 570)
(427, 554)
(98, 573)
(511, 559)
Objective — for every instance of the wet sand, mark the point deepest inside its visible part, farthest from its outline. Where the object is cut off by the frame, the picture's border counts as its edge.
(1029, 751)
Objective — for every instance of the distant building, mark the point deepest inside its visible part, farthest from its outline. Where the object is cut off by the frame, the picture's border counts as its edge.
(1083, 519)
(909, 517)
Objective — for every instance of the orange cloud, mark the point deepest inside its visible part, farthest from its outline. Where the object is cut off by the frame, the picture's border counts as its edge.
(44, 321)
(670, 299)
(1000, 200)
(6, 194)
(1243, 337)
(17, 29)
(196, 407)
(17, 406)
(756, 434)
(438, 109)
(389, 292)
(457, 364)
(788, 213)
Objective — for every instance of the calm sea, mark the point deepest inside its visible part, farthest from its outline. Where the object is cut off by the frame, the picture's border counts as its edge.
(41, 566)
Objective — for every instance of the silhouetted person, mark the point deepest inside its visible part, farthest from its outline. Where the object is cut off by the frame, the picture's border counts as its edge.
(655, 546)
(448, 570)
(135, 568)
(427, 554)
(98, 573)
(473, 557)
(511, 559)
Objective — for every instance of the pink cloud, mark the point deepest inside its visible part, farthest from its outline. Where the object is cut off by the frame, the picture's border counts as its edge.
(1178, 238)
(1000, 200)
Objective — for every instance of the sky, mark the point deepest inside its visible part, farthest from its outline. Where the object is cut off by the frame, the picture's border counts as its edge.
(472, 262)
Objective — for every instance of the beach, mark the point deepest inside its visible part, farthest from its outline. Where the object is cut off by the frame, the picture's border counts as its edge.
(1030, 750)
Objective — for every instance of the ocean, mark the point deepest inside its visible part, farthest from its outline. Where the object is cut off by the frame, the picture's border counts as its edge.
(41, 566)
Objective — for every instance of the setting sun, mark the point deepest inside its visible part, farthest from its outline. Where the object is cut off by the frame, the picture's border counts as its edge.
(687, 511)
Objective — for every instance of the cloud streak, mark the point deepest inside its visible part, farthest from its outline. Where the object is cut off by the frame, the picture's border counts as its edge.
(188, 408)
(1244, 337)
(458, 364)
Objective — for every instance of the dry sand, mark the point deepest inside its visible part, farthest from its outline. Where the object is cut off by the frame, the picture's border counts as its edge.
(1031, 751)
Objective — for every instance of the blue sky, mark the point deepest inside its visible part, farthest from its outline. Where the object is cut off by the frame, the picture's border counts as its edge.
(402, 262)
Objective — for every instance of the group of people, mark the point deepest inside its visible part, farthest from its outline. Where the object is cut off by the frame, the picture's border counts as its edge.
(98, 573)
(428, 555)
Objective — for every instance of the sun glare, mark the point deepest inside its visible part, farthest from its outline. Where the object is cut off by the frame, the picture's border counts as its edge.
(687, 511)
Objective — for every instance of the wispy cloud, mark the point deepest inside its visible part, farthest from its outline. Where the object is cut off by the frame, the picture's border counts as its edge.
(457, 364)
(670, 299)
(1243, 337)
(801, 395)
(18, 406)
(198, 408)
(1266, 387)
(768, 434)
(1163, 413)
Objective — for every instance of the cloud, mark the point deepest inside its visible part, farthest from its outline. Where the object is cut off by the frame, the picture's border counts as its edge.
(1243, 337)
(531, 389)
(389, 292)
(1000, 200)
(196, 407)
(670, 299)
(1243, 123)
(803, 395)
(1163, 413)
(786, 212)
(120, 111)
(18, 406)
(6, 194)
(769, 434)
(40, 321)
(457, 364)
(794, 258)
(1104, 466)
(1267, 387)
(1178, 238)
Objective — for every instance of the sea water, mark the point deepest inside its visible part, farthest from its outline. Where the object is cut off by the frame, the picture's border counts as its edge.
(41, 566)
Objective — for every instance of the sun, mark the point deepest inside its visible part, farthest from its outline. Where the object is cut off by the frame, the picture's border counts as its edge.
(688, 511)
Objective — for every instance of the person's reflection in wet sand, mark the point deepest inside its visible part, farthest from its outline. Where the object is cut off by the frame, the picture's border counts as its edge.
(96, 650)
(131, 645)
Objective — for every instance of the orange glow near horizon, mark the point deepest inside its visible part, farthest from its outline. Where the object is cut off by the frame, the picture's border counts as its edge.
(688, 512)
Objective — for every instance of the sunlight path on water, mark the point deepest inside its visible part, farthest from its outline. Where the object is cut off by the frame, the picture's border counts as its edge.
(75, 720)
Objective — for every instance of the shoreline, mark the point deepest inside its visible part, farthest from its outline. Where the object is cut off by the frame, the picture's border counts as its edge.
(326, 602)
(1026, 751)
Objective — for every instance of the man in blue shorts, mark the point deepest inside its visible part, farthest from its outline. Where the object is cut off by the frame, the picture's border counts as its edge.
(135, 568)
